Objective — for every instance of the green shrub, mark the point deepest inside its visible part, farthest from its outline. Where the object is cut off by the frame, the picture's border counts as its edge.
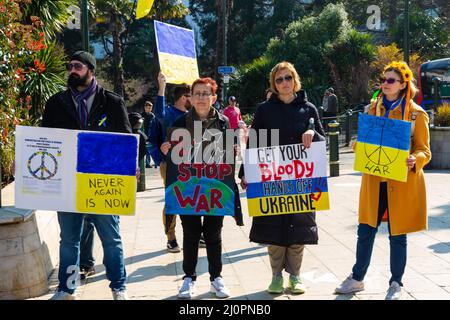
(442, 116)
(248, 118)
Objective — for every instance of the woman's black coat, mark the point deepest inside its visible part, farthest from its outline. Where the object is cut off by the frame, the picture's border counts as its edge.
(292, 121)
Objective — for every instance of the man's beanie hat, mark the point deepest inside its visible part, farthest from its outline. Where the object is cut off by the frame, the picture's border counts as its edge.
(86, 58)
(134, 117)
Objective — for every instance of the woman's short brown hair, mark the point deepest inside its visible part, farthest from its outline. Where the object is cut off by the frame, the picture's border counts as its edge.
(206, 81)
(281, 66)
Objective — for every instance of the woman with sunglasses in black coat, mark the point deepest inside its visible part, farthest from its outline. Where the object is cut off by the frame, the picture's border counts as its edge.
(297, 120)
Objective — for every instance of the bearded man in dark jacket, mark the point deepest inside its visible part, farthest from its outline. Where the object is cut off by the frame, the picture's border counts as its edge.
(87, 106)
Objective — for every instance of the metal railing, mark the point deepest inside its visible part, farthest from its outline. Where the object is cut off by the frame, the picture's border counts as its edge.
(348, 125)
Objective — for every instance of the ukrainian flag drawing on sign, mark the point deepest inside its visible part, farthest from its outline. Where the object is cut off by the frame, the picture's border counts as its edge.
(176, 52)
(77, 171)
(106, 173)
(383, 147)
(287, 179)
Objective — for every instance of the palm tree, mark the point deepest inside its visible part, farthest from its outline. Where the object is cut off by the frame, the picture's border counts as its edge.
(54, 14)
(48, 76)
(118, 15)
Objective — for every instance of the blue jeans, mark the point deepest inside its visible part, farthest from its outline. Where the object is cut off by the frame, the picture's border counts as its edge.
(87, 259)
(154, 154)
(148, 148)
(107, 226)
(366, 238)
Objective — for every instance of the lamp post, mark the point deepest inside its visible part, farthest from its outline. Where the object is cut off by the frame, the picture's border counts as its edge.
(85, 24)
(224, 43)
(406, 33)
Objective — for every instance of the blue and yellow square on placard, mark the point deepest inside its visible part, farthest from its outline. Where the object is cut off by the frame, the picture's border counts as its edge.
(106, 173)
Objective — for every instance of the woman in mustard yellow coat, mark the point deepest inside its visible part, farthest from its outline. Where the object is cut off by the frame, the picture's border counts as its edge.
(405, 202)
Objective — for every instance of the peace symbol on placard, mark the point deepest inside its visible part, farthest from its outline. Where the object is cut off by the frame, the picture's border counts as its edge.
(44, 168)
(379, 154)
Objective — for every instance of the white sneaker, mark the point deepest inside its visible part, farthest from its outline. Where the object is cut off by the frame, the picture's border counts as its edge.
(394, 292)
(120, 294)
(187, 289)
(218, 287)
(350, 285)
(61, 295)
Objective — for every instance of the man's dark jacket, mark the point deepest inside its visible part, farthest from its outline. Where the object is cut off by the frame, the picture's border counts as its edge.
(60, 112)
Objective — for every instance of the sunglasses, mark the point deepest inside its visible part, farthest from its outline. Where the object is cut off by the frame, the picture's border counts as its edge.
(389, 80)
(202, 94)
(78, 66)
(280, 80)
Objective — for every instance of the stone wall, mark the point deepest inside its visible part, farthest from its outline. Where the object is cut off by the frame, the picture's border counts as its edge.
(440, 148)
(29, 244)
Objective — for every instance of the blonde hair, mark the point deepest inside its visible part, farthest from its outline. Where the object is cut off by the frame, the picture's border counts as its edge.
(281, 66)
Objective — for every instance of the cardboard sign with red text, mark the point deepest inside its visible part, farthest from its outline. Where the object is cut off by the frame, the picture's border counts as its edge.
(286, 179)
(200, 188)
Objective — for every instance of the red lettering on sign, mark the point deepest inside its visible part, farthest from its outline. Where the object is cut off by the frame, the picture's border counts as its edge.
(297, 168)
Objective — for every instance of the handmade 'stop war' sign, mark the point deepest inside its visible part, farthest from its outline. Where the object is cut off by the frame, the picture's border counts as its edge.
(76, 171)
(205, 188)
(383, 147)
(286, 179)
(176, 52)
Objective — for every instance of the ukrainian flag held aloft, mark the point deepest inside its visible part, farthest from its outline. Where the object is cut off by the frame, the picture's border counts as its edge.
(176, 52)
(143, 8)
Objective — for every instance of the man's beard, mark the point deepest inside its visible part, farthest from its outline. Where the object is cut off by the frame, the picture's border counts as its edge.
(75, 81)
(188, 105)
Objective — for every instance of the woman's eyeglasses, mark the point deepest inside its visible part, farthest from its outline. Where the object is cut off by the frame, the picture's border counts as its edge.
(280, 80)
(202, 94)
(389, 80)
(78, 66)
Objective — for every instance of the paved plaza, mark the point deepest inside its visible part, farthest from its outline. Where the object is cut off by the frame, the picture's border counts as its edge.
(153, 273)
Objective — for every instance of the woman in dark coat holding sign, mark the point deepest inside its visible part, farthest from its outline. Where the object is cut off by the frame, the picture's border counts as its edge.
(203, 96)
(297, 120)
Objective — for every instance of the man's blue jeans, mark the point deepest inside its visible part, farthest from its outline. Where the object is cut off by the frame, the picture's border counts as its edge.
(87, 259)
(107, 226)
(366, 238)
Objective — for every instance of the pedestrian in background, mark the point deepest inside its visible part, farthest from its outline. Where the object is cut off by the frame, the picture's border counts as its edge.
(166, 115)
(150, 122)
(330, 103)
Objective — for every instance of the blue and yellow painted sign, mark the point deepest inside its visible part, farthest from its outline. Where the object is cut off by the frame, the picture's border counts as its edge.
(176, 52)
(382, 147)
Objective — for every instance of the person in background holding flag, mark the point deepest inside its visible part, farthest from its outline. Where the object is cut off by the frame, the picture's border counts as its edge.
(297, 120)
(404, 202)
(85, 105)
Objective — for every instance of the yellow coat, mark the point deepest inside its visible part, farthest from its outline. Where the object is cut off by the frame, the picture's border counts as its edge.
(406, 200)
